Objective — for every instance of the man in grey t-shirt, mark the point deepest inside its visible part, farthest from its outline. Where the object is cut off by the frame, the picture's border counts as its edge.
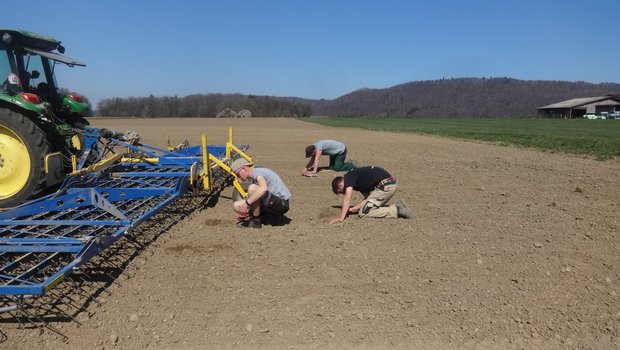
(336, 151)
(267, 194)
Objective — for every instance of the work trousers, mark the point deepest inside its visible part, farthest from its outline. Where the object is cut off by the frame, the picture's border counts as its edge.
(336, 162)
(373, 204)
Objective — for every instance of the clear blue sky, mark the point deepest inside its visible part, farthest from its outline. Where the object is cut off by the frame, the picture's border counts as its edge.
(320, 48)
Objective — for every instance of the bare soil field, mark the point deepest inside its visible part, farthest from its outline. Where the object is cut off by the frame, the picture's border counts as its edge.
(508, 249)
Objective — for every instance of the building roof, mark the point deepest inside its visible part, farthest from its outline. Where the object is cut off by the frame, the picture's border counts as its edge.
(576, 102)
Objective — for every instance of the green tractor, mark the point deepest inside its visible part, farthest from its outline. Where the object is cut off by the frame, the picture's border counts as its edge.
(40, 125)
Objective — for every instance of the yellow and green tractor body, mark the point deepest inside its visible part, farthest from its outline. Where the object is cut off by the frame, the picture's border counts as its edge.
(40, 123)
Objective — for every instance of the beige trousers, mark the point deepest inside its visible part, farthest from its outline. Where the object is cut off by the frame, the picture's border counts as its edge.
(373, 204)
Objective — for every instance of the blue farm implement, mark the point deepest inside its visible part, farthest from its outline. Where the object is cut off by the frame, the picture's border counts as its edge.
(109, 194)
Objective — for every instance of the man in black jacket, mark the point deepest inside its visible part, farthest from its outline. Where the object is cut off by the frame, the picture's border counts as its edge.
(377, 186)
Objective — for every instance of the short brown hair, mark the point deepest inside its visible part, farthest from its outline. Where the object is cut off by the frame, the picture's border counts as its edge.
(335, 183)
(309, 151)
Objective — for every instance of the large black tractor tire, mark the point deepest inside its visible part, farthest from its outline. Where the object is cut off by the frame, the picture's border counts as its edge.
(23, 146)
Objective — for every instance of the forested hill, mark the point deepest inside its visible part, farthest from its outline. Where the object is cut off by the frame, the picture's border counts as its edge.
(462, 97)
(445, 98)
(203, 105)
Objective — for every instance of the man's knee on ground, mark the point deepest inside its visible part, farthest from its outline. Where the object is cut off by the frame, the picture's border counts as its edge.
(366, 208)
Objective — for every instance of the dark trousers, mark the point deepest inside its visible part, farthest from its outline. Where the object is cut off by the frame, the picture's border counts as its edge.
(336, 162)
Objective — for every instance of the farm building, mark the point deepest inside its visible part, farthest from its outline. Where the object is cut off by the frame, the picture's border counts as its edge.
(578, 107)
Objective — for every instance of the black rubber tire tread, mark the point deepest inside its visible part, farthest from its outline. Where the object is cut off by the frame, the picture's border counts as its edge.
(38, 146)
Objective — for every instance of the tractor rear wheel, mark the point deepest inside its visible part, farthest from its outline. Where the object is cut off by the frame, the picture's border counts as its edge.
(23, 146)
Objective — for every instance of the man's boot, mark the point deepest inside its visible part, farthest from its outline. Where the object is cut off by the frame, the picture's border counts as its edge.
(403, 210)
(252, 222)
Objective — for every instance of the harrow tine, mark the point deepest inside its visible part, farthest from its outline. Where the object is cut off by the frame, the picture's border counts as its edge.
(30, 318)
(65, 314)
(43, 323)
(15, 316)
(72, 304)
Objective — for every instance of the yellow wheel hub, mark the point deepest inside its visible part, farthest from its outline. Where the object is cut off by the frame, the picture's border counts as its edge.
(75, 141)
(14, 163)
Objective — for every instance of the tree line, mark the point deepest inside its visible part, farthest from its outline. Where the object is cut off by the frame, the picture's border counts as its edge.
(201, 106)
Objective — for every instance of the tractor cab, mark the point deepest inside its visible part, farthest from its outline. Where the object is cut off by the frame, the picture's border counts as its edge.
(27, 66)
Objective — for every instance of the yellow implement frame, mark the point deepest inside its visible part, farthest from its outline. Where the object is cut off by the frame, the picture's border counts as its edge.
(100, 165)
(209, 162)
(208, 159)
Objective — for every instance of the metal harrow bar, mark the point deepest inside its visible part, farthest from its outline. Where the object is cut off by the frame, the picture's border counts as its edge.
(45, 240)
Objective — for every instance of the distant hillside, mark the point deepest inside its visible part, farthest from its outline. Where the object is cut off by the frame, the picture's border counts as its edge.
(459, 98)
(445, 98)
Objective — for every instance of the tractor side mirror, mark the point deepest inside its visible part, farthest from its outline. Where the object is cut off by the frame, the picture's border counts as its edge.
(35, 74)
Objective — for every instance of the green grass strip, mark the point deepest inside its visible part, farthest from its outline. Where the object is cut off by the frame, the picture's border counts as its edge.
(597, 138)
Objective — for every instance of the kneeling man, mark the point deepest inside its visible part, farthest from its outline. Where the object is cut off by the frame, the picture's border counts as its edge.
(267, 194)
(377, 186)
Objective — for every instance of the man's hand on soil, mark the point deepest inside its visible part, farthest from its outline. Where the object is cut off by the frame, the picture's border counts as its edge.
(336, 220)
(309, 173)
